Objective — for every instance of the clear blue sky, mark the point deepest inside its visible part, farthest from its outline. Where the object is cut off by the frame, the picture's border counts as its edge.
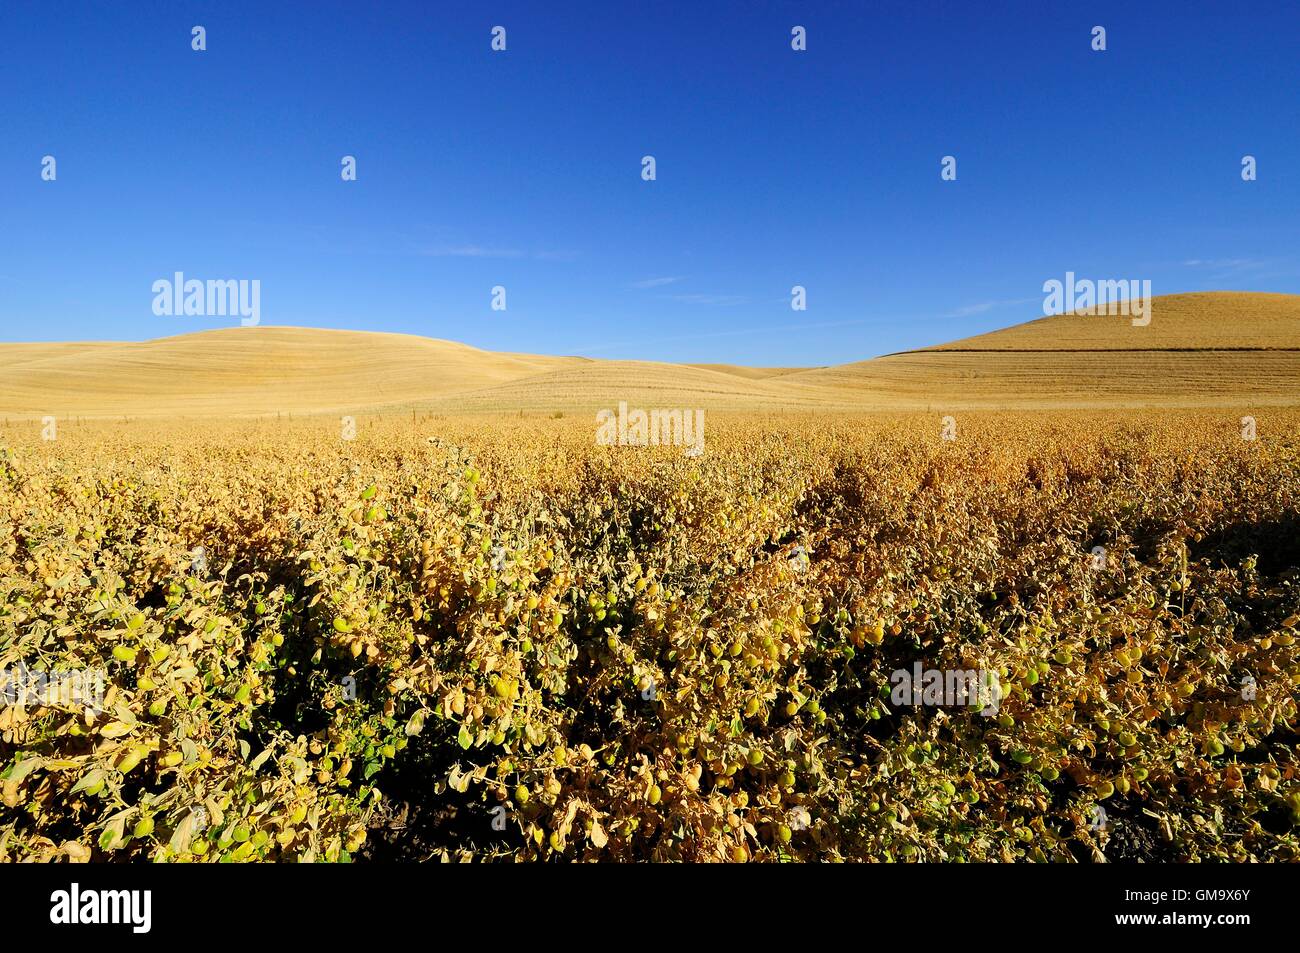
(522, 168)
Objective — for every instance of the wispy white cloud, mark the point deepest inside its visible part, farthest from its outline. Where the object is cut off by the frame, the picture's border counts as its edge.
(656, 282)
(972, 309)
(1226, 264)
(711, 299)
(470, 251)
(484, 251)
(743, 332)
(983, 307)
(1245, 270)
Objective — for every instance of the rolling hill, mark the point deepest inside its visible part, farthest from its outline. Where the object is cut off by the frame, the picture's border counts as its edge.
(1208, 349)
(1199, 350)
(258, 370)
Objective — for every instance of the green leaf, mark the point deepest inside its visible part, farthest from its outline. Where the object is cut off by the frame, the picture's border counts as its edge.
(23, 768)
(89, 779)
(111, 838)
(464, 739)
(184, 832)
(416, 724)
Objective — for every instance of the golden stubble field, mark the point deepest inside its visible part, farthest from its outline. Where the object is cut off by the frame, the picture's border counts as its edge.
(487, 637)
(1221, 349)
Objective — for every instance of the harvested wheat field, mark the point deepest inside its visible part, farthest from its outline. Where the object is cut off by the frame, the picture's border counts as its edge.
(1199, 350)
(1226, 349)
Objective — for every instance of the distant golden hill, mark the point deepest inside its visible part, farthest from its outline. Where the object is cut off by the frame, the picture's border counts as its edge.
(257, 370)
(1200, 350)
(1209, 320)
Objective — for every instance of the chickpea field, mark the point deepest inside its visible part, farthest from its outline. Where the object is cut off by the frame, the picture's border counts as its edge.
(455, 638)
